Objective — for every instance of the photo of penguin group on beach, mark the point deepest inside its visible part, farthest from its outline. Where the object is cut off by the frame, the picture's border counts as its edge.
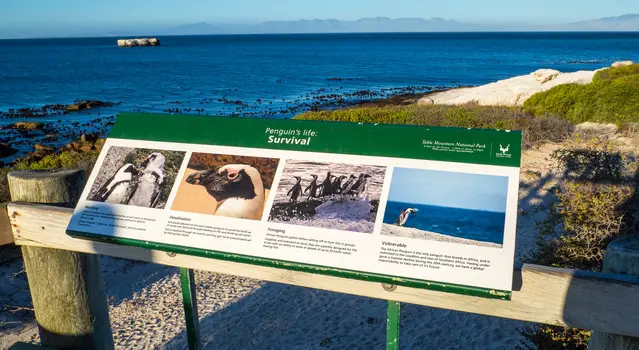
(226, 185)
(328, 195)
(447, 207)
(136, 176)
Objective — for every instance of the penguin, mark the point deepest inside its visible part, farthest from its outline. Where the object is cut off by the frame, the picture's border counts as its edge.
(151, 181)
(326, 185)
(360, 185)
(349, 189)
(237, 188)
(296, 190)
(336, 186)
(403, 216)
(312, 188)
(119, 187)
(348, 185)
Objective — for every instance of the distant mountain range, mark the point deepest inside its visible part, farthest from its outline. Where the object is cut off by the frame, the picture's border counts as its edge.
(628, 22)
(384, 24)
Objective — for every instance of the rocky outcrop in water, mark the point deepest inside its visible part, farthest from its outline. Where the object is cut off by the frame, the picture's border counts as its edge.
(138, 42)
(56, 109)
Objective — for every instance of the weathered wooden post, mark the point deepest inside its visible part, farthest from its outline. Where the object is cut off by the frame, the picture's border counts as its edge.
(622, 257)
(67, 289)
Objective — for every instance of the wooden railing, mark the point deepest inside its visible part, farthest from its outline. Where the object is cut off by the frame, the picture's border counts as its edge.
(603, 302)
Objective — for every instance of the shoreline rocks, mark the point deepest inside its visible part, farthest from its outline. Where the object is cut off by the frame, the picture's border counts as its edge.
(509, 92)
(138, 42)
(55, 109)
(622, 64)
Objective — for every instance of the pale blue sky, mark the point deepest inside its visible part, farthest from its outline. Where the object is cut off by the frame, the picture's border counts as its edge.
(68, 16)
(449, 189)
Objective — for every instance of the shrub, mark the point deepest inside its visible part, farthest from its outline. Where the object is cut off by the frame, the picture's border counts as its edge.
(608, 74)
(63, 160)
(594, 204)
(536, 130)
(612, 97)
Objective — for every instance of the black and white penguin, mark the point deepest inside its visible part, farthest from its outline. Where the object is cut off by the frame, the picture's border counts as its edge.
(348, 185)
(151, 181)
(296, 190)
(119, 187)
(349, 190)
(311, 189)
(403, 216)
(360, 185)
(238, 189)
(326, 185)
(336, 186)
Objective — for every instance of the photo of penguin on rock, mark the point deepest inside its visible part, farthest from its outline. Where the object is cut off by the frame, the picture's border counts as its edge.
(328, 195)
(135, 176)
(225, 185)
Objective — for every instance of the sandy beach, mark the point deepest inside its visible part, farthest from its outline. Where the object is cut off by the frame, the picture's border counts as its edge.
(409, 232)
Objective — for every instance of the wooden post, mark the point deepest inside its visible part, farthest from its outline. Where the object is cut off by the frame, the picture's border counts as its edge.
(67, 289)
(622, 257)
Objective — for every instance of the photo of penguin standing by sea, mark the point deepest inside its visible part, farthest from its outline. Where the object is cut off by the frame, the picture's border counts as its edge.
(226, 185)
(447, 206)
(328, 195)
(136, 176)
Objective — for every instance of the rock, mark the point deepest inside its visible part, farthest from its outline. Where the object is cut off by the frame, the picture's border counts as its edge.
(89, 137)
(596, 128)
(6, 150)
(426, 101)
(545, 75)
(87, 104)
(622, 64)
(138, 42)
(28, 125)
(509, 92)
(39, 147)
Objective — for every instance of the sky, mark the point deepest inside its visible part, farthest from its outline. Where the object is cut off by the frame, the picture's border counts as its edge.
(70, 16)
(449, 189)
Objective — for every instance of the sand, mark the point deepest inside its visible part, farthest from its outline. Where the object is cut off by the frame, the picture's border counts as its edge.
(409, 232)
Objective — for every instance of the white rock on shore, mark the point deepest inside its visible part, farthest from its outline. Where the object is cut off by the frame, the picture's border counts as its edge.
(509, 92)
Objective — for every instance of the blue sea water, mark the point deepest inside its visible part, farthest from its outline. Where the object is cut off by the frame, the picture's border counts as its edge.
(275, 76)
(485, 226)
(267, 75)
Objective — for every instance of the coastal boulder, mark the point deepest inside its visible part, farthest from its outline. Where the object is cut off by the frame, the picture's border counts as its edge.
(28, 125)
(622, 64)
(6, 150)
(545, 75)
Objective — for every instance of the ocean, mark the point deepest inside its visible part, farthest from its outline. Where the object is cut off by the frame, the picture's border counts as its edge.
(275, 76)
(478, 225)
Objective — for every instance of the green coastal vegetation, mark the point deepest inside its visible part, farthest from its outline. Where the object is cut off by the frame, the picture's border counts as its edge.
(612, 97)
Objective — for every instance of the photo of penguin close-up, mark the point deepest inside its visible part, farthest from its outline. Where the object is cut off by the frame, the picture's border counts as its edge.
(328, 195)
(226, 185)
(136, 176)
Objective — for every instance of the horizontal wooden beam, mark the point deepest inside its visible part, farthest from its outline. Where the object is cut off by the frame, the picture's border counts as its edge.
(6, 234)
(603, 302)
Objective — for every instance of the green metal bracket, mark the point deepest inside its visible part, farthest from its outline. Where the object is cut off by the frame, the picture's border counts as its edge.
(189, 298)
(392, 326)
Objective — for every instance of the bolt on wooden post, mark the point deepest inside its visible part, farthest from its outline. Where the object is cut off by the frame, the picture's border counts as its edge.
(67, 289)
(622, 257)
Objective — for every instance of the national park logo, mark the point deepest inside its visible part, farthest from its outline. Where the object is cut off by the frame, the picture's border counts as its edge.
(504, 152)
